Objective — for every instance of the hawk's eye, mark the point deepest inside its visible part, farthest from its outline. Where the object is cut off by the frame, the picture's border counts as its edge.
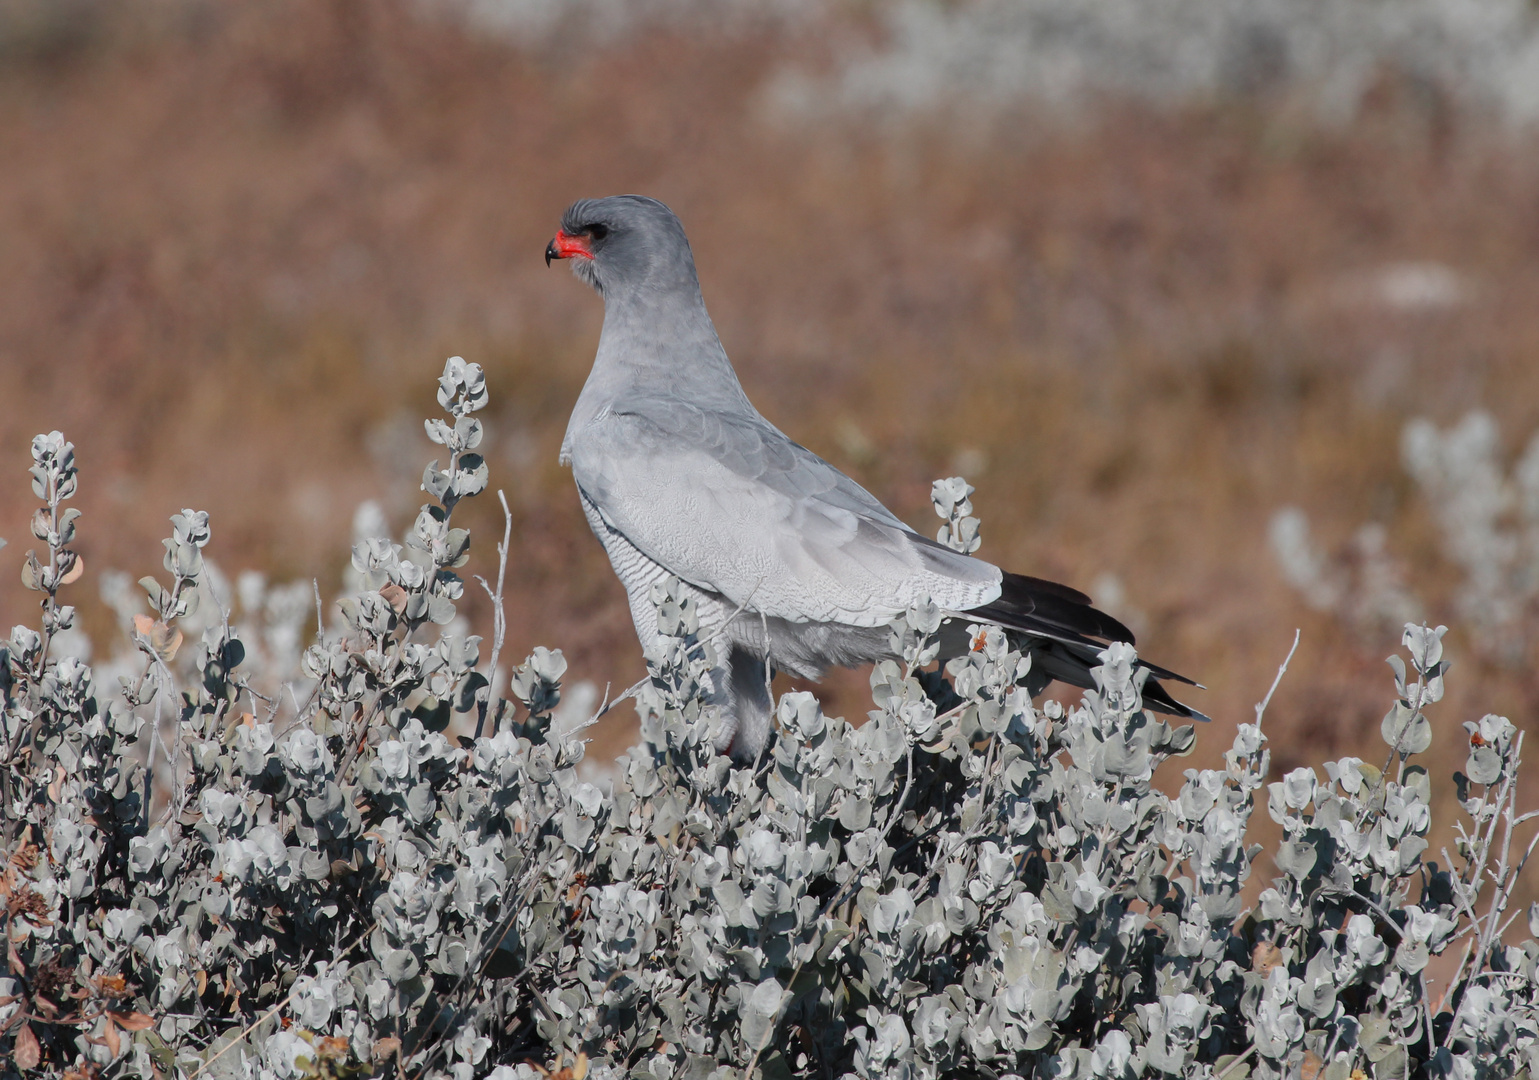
(597, 231)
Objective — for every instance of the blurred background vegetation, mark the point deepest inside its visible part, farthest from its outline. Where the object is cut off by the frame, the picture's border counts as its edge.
(1144, 273)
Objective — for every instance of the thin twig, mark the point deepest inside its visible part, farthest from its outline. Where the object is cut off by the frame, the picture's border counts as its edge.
(1264, 702)
(634, 689)
(155, 740)
(1488, 929)
(1418, 692)
(1454, 982)
(1459, 886)
(1384, 916)
(1237, 1062)
(1517, 871)
(1502, 883)
(499, 616)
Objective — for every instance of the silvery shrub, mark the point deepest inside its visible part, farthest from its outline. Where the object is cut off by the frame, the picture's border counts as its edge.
(203, 880)
(1487, 518)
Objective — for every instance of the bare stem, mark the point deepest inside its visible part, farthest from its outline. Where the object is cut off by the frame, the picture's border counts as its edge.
(499, 616)
(1282, 670)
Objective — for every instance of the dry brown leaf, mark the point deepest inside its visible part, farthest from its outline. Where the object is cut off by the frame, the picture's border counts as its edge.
(27, 1053)
(395, 596)
(73, 567)
(1310, 1068)
(28, 902)
(385, 1048)
(110, 1038)
(31, 571)
(1265, 957)
(134, 1021)
(575, 1071)
(333, 1047)
(163, 640)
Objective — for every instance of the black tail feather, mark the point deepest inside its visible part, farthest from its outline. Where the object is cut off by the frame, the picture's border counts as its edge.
(1060, 628)
(1030, 602)
(1158, 698)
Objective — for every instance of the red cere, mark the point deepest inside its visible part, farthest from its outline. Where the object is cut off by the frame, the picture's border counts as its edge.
(568, 246)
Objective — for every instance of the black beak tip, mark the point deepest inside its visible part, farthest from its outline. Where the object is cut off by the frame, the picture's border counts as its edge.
(550, 252)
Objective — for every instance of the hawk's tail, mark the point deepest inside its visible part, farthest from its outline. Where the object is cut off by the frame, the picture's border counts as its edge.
(1065, 636)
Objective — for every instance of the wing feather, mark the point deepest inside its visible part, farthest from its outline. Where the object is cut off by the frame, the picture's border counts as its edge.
(731, 505)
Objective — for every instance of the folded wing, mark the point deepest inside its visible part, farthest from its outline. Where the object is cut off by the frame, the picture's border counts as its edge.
(730, 504)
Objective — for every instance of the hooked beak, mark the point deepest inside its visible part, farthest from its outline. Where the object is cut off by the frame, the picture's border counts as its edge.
(565, 246)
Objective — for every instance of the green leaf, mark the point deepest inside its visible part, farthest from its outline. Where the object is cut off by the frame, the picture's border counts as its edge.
(1405, 731)
(855, 813)
(440, 609)
(1377, 1037)
(1484, 765)
(435, 483)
